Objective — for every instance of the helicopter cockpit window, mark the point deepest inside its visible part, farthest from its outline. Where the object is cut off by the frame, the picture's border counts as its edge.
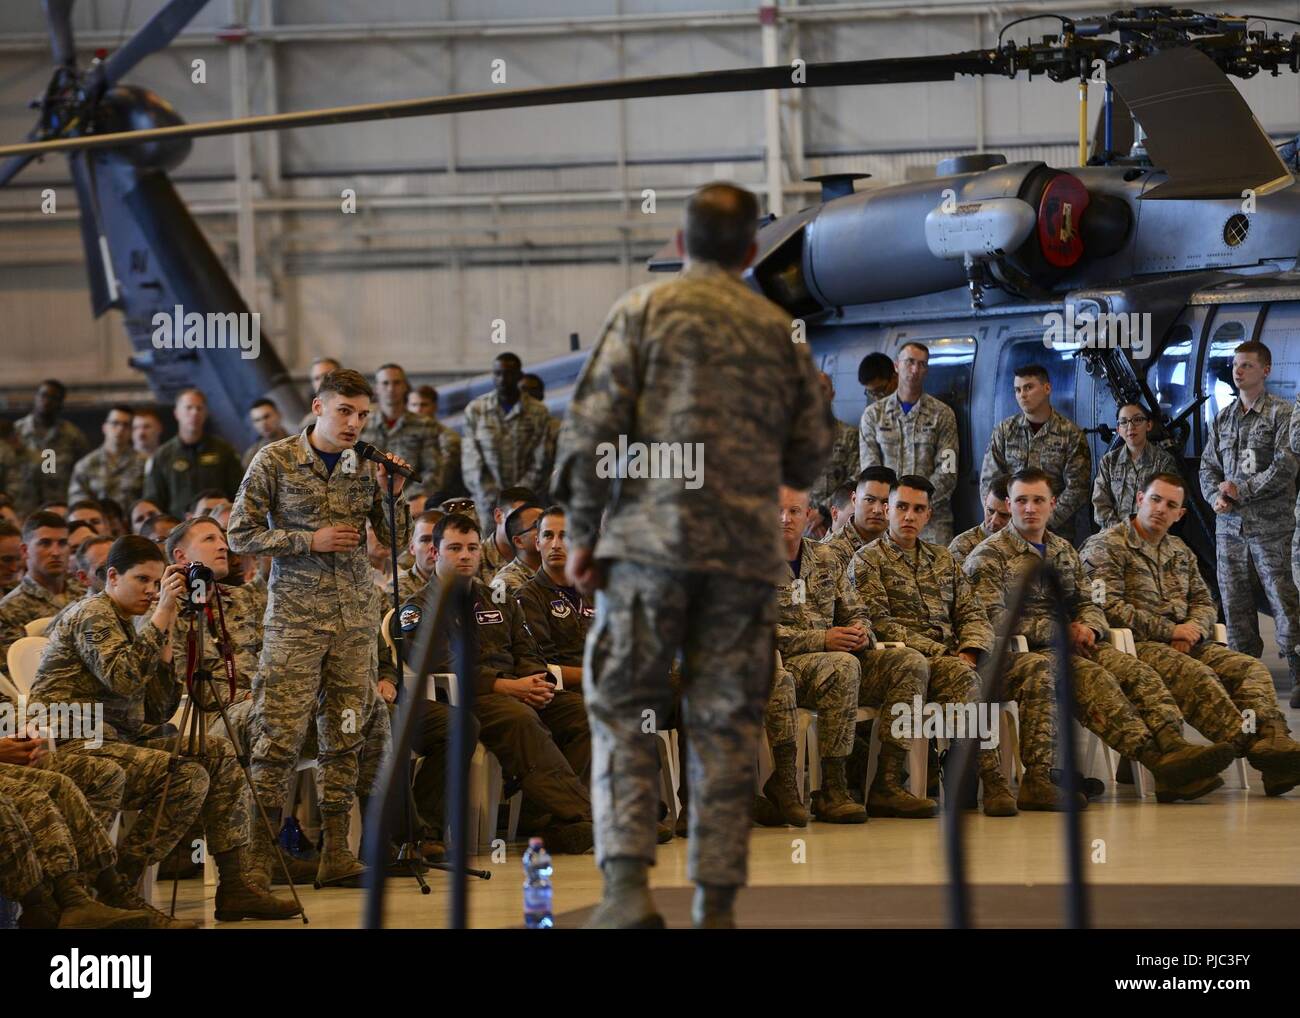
(1218, 367)
(1060, 365)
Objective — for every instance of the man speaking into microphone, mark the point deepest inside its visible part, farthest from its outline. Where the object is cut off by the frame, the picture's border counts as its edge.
(305, 501)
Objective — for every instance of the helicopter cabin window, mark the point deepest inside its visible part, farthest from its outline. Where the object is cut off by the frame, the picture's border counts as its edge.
(1060, 365)
(1172, 374)
(1218, 367)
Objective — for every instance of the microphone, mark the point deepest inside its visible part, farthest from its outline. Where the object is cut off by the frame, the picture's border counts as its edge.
(368, 452)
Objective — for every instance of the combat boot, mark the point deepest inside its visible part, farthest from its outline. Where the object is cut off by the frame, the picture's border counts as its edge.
(1276, 756)
(79, 911)
(116, 890)
(998, 800)
(338, 866)
(239, 898)
(40, 911)
(714, 907)
(263, 864)
(577, 837)
(303, 871)
(1176, 762)
(782, 788)
(832, 804)
(683, 821)
(1038, 793)
(626, 903)
(1189, 791)
(887, 796)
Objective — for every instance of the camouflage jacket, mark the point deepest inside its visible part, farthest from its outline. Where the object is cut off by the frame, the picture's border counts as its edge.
(920, 598)
(68, 444)
(842, 467)
(21, 478)
(447, 479)
(845, 544)
(964, 543)
(698, 363)
(820, 598)
(491, 560)
(996, 566)
(558, 618)
(243, 607)
(1114, 492)
(30, 601)
(1060, 449)
(247, 456)
(100, 474)
(922, 441)
(96, 655)
(500, 450)
(1148, 588)
(177, 472)
(413, 439)
(410, 582)
(1252, 448)
(285, 498)
(511, 576)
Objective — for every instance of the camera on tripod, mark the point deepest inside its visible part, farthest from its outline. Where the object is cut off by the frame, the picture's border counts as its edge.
(199, 582)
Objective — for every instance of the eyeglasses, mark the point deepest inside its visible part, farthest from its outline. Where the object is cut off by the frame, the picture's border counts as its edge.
(1131, 422)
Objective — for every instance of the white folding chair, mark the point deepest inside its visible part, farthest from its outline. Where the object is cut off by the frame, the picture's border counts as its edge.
(24, 656)
(37, 627)
(1122, 641)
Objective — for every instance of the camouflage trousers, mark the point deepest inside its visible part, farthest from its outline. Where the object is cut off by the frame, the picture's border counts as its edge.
(102, 782)
(725, 629)
(305, 674)
(1027, 681)
(1119, 698)
(210, 791)
(1214, 685)
(827, 683)
(1243, 563)
(892, 675)
(20, 869)
(65, 835)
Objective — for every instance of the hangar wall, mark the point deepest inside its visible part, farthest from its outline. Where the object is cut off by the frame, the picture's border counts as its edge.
(532, 217)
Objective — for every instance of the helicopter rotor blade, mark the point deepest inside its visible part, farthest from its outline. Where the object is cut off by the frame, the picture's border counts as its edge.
(154, 35)
(749, 79)
(58, 19)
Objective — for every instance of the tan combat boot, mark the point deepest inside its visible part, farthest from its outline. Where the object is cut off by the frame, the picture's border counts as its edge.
(338, 866)
(888, 797)
(998, 800)
(1276, 756)
(119, 891)
(239, 898)
(1039, 794)
(1166, 792)
(1176, 762)
(832, 804)
(79, 911)
(782, 788)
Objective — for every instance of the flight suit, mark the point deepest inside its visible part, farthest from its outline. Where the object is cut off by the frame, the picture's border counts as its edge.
(177, 472)
(558, 619)
(699, 358)
(1252, 448)
(921, 441)
(1059, 449)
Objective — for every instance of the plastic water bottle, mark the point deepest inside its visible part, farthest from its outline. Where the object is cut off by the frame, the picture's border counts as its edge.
(537, 886)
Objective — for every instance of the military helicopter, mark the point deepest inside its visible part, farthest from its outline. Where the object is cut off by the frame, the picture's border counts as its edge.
(1187, 224)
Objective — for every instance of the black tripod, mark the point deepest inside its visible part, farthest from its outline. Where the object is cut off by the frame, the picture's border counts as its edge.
(203, 700)
(409, 860)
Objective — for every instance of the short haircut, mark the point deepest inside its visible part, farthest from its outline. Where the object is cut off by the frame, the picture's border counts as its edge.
(326, 360)
(147, 411)
(920, 346)
(151, 525)
(191, 389)
(181, 533)
(875, 367)
(534, 379)
(85, 503)
(119, 408)
(54, 383)
(512, 357)
(998, 487)
(391, 367)
(822, 512)
(515, 521)
(83, 553)
(207, 493)
(916, 482)
(517, 493)
(76, 525)
(1173, 480)
(40, 519)
(1031, 475)
(878, 475)
(1032, 371)
(552, 510)
(428, 516)
(1254, 346)
(140, 501)
(263, 402)
(7, 529)
(843, 495)
(47, 506)
(721, 224)
(130, 551)
(346, 382)
(458, 522)
(427, 392)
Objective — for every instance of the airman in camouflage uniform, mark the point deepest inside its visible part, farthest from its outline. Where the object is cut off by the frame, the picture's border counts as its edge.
(20, 473)
(446, 479)
(43, 431)
(21, 874)
(1058, 447)
(1116, 696)
(997, 513)
(51, 804)
(319, 655)
(699, 358)
(403, 434)
(504, 448)
(511, 577)
(1248, 476)
(114, 470)
(964, 543)
(868, 519)
(843, 465)
(28, 602)
(1120, 478)
(1154, 587)
(1294, 444)
(920, 440)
